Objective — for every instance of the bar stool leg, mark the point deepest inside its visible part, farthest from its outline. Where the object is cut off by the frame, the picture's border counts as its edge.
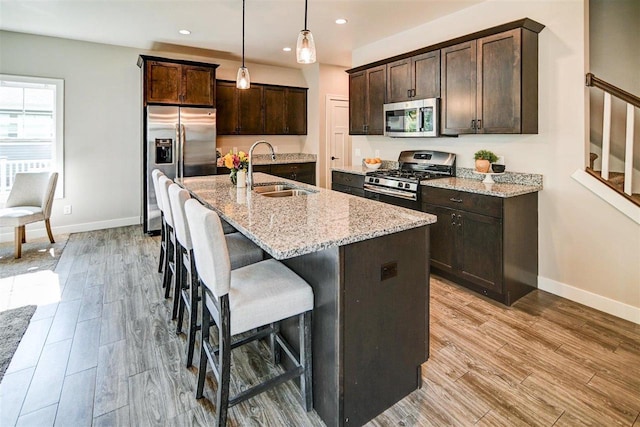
(179, 276)
(163, 243)
(306, 385)
(224, 358)
(194, 286)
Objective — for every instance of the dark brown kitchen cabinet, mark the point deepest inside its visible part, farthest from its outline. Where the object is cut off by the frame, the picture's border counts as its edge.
(490, 85)
(349, 183)
(178, 82)
(488, 244)
(367, 90)
(239, 111)
(301, 172)
(285, 110)
(417, 77)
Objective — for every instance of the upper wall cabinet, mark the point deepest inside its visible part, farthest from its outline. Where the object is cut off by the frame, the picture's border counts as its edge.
(285, 110)
(260, 110)
(239, 111)
(417, 77)
(490, 85)
(168, 81)
(487, 82)
(366, 97)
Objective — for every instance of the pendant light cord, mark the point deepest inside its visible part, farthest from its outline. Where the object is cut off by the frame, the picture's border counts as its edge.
(243, 32)
(305, 15)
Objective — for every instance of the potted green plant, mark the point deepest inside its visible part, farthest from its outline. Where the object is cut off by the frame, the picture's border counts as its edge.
(484, 158)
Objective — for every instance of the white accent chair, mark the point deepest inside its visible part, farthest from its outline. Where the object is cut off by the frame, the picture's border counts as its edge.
(253, 298)
(242, 251)
(30, 200)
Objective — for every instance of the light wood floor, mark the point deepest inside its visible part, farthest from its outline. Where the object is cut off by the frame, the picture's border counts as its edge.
(107, 354)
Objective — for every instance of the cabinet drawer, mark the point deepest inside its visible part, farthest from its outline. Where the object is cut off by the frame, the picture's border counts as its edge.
(348, 179)
(288, 168)
(470, 202)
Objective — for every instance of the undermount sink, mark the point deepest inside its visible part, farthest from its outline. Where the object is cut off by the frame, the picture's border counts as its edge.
(281, 190)
(269, 188)
(287, 193)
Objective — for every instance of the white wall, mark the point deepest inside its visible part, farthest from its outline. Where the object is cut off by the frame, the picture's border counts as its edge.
(103, 112)
(588, 250)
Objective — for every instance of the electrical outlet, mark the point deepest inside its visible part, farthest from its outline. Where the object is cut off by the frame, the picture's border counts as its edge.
(275, 148)
(377, 153)
(67, 209)
(358, 153)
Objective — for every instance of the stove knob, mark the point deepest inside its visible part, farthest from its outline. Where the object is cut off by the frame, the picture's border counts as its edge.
(377, 180)
(400, 184)
(406, 186)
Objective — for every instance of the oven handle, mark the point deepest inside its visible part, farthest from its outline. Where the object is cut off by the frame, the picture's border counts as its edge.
(390, 192)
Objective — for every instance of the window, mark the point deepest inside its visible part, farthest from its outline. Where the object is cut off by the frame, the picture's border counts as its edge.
(31, 128)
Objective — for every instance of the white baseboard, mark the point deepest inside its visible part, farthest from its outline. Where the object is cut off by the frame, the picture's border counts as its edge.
(598, 302)
(74, 228)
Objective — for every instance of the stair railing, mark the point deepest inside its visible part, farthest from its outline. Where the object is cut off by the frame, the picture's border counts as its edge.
(632, 103)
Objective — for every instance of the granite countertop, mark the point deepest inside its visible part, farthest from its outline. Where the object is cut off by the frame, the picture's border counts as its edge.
(286, 227)
(469, 185)
(509, 184)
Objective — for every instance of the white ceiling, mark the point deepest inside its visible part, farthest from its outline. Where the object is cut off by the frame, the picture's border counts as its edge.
(216, 25)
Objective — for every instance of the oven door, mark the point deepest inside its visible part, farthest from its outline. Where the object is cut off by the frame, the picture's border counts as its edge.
(392, 197)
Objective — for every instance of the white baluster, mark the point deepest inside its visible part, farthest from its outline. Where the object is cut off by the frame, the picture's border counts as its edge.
(628, 152)
(606, 135)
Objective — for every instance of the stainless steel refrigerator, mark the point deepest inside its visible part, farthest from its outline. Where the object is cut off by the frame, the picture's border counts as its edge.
(179, 141)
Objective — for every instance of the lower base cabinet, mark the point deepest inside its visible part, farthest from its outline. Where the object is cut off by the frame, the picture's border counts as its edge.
(347, 183)
(301, 172)
(485, 243)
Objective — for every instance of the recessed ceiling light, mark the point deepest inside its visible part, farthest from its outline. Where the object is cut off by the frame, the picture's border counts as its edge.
(185, 32)
(286, 49)
(341, 21)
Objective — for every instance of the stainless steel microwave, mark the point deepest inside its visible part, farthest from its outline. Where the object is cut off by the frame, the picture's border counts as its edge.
(417, 118)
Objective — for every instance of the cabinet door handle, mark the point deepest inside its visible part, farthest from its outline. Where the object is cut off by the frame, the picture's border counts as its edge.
(479, 124)
(473, 124)
(335, 158)
(413, 92)
(455, 200)
(408, 93)
(453, 219)
(459, 220)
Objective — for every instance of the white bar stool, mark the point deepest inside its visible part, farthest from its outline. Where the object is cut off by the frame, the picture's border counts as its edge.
(242, 251)
(251, 298)
(155, 175)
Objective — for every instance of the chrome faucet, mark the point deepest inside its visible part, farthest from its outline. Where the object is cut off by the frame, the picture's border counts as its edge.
(250, 173)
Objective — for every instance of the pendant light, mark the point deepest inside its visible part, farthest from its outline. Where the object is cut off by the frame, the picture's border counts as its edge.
(305, 48)
(243, 81)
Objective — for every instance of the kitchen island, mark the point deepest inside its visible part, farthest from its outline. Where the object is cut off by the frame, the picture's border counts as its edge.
(368, 265)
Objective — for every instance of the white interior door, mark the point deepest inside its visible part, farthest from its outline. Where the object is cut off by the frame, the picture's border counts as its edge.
(339, 141)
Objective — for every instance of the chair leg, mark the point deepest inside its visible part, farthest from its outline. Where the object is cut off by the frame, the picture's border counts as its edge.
(163, 244)
(49, 233)
(306, 384)
(202, 368)
(178, 279)
(193, 315)
(168, 272)
(224, 358)
(24, 233)
(18, 242)
(273, 345)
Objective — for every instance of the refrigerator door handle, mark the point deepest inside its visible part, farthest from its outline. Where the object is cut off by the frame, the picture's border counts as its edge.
(183, 135)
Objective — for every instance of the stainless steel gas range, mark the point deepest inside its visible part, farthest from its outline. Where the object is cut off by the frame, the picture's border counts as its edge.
(401, 186)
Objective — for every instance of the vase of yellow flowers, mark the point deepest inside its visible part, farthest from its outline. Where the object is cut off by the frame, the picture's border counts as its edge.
(238, 164)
